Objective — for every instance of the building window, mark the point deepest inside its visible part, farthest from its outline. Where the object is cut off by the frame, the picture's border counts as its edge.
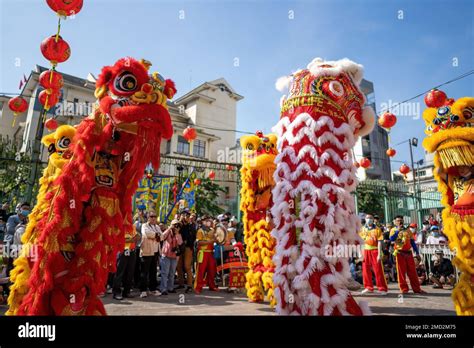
(199, 148)
(183, 146)
(420, 172)
(168, 147)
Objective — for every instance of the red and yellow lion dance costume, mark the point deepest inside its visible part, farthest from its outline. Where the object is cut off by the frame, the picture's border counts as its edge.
(450, 135)
(90, 213)
(313, 209)
(58, 144)
(258, 156)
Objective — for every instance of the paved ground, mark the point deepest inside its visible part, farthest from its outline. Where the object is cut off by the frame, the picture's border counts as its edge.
(436, 302)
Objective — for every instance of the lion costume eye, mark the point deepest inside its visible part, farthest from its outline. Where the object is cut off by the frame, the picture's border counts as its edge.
(64, 143)
(249, 147)
(336, 88)
(443, 111)
(467, 113)
(125, 82)
(51, 149)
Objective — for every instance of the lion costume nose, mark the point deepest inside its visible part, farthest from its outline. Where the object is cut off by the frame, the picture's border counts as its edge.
(147, 88)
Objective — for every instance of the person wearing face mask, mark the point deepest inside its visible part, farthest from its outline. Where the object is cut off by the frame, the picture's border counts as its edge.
(435, 238)
(372, 262)
(20, 218)
(23, 210)
(423, 233)
(413, 227)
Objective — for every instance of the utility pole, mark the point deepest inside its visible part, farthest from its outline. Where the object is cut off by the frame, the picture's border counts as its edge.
(414, 142)
(35, 157)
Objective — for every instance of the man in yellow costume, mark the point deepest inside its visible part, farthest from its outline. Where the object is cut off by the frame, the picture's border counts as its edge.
(206, 263)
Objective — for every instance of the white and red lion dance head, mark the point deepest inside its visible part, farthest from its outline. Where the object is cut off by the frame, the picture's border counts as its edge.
(313, 211)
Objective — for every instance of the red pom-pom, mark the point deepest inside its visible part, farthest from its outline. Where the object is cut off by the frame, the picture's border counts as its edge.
(170, 89)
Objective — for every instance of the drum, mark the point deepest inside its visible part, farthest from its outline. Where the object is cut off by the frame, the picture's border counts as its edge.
(221, 234)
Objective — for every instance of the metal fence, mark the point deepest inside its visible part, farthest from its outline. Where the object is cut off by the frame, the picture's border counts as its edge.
(389, 199)
(428, 250)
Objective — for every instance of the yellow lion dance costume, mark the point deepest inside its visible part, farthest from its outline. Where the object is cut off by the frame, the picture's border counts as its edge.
(451, 137)
(257, 170)
(57, 144)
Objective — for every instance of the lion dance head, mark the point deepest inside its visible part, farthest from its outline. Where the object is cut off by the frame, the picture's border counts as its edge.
(450, 136)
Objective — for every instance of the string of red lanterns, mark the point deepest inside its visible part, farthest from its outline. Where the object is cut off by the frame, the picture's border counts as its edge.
(56, 50)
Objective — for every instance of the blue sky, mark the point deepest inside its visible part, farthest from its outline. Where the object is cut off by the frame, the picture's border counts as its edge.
(403, 57)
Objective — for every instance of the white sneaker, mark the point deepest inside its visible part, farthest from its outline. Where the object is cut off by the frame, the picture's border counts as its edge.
(365, 291)
(382, 293)
(156, 293)
(143, 294)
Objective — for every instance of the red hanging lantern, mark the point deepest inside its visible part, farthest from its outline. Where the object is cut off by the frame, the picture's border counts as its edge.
(48, 98)
(51, 79)
(404, 169)
(365, 163)
(229, 167)
(391, 152)
(435, 98)
(65, 8)
(18, 105)
(197, 181)
(387, 120)
(51, 124)
(212, 175)
(55, 52)
(189, 134)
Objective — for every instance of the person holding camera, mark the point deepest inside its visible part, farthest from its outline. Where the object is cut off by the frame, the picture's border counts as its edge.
(185, 261)
(172, 241)
(149, 249)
